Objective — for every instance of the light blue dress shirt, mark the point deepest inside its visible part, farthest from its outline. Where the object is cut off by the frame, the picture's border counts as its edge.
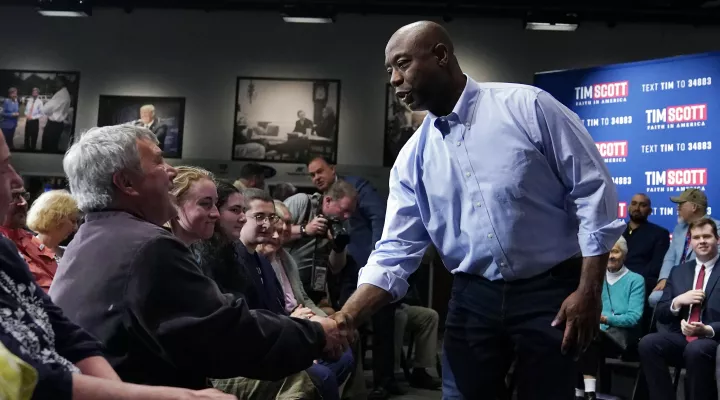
(507, 186)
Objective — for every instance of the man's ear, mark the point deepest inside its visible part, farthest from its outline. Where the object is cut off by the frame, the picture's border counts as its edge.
(124, 183)
(442, 54)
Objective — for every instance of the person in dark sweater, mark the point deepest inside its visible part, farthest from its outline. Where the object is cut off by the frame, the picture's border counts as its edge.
(139, 289)
(647, 243)
(258, 283)
(66, 360)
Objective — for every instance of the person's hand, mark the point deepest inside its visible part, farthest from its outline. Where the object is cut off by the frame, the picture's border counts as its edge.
(688, 298)
(603, 319)
(15, 114)
(335, 341)
(207, 394)
(660, 285)
(302, 312)
(346, 324)
(316, 227)
(581, 314)
(697, 329)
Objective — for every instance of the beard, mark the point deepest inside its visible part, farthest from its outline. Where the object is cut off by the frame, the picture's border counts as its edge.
(638, 218)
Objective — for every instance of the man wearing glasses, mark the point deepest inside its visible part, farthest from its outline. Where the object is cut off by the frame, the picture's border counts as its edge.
(38, 257)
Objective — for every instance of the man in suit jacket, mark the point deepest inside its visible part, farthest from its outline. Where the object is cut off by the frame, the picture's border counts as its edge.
(690, 305)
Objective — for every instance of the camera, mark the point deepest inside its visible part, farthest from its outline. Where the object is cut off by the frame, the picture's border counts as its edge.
(339, 234)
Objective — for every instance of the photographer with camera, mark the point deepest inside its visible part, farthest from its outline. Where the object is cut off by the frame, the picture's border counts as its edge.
(320, 234)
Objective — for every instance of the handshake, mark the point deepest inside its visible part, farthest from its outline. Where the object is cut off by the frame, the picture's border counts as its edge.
(339, 334)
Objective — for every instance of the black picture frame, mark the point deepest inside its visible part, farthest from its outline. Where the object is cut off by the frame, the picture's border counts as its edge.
(169, 113)
(262, 136)
(397, 130)
(46, 81)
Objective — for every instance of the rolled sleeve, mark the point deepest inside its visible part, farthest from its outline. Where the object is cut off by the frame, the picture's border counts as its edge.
(404, 240)
(575, 159)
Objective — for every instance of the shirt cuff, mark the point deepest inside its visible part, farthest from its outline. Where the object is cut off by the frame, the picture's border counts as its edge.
(602, 240)
(673, 310)
(712, 332)
(384, 279)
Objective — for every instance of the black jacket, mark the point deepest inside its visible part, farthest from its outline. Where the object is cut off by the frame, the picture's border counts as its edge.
(140, 291)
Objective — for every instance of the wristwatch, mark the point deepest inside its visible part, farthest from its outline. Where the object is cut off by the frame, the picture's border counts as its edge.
(302, 231)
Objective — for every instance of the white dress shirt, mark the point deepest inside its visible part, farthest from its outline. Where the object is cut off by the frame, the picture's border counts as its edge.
(57, 109)
(709, 265)
(35, 106)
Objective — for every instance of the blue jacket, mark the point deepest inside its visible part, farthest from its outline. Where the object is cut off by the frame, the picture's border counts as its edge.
(677, 244)
(366, 224)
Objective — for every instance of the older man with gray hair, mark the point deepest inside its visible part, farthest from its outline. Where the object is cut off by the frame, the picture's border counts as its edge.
(139, 290)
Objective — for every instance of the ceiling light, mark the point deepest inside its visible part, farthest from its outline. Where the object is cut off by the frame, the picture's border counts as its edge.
(550, 26)
(308, 20)
(64, 8)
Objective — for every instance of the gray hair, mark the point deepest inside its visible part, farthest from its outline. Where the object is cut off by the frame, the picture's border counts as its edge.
(622, 244)
(92, 160)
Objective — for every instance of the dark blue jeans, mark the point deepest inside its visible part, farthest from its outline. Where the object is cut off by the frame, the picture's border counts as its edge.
(489, 324)
(329, 375)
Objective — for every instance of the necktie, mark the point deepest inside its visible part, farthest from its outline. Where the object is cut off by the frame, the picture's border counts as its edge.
(32, 108)
(696, 308)
(686, 249)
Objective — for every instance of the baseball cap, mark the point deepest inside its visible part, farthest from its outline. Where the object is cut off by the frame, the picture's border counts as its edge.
(696, 196)
(254, 169)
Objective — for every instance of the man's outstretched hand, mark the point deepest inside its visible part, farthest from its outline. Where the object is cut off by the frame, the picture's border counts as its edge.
(346, 324)
(581, 314)
(336, 341)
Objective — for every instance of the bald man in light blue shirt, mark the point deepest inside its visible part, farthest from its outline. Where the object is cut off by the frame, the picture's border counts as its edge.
(508, 185)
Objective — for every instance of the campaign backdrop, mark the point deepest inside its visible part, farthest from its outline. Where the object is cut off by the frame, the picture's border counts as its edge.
(654, 123)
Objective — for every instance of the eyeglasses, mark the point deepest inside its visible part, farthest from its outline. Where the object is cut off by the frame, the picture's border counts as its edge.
(20, 196)
(262, 218)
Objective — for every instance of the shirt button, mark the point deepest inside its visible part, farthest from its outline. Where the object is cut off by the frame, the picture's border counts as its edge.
(502, 264)
(467, 125)
(490, 235)
(467, 174)
(478, 205)
(459, 143)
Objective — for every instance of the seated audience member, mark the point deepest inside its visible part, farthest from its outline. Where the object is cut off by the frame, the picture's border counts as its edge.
(692, 205)
(690, 305)
(68, 362)
(54, 217)
(285, 267)
(253, 175)
(39, 257)
(623, 299)
(139, 289)
(263, 229)
(197, 203)
(647, 243)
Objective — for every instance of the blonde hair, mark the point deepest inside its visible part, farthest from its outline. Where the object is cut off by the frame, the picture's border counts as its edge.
(48, 211)
(281, 209)
(185, 177)
(148, 107)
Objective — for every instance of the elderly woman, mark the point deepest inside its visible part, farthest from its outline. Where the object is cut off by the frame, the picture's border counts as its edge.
(623, 299)
(54, 217)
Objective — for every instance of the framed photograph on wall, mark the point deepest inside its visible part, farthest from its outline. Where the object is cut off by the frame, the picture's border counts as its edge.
(286, 120)
(38, 109)
(400, 124)
(164, 116)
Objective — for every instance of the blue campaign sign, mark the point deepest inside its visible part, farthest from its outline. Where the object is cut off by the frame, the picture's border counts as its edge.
(654, 123)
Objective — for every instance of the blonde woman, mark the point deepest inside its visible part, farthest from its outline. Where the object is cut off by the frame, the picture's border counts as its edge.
(195, 196)
(54, 217)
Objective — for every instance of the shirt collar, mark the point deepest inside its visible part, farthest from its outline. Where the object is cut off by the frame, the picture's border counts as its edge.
(708, 265)
(464, 109)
